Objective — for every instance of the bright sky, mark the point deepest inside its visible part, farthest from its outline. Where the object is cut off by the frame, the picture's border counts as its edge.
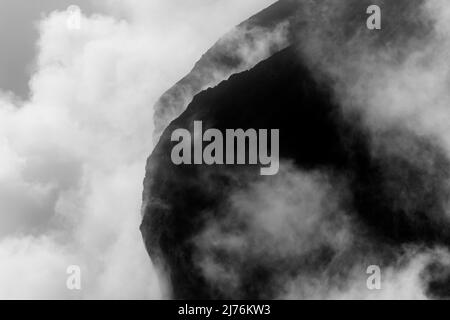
(18, 34)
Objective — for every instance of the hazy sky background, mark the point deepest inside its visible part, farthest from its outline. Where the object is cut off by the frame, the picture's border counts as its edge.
(19, 33)
(73, 151)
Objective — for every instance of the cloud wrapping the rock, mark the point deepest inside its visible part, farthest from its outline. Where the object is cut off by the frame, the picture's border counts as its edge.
(72, 157)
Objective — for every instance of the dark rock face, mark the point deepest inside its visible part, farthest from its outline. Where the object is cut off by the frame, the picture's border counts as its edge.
(281, 93)
(299, 17)
(223, 59)
(395, 193)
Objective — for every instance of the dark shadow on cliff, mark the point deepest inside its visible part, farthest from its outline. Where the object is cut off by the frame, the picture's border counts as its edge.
(396, 201)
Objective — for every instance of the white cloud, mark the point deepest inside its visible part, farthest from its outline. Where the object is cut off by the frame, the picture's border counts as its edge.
(73, 156)
(287, 224)
(277, 223)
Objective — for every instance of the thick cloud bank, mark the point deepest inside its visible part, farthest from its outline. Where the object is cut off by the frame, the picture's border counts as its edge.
(72, 157)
